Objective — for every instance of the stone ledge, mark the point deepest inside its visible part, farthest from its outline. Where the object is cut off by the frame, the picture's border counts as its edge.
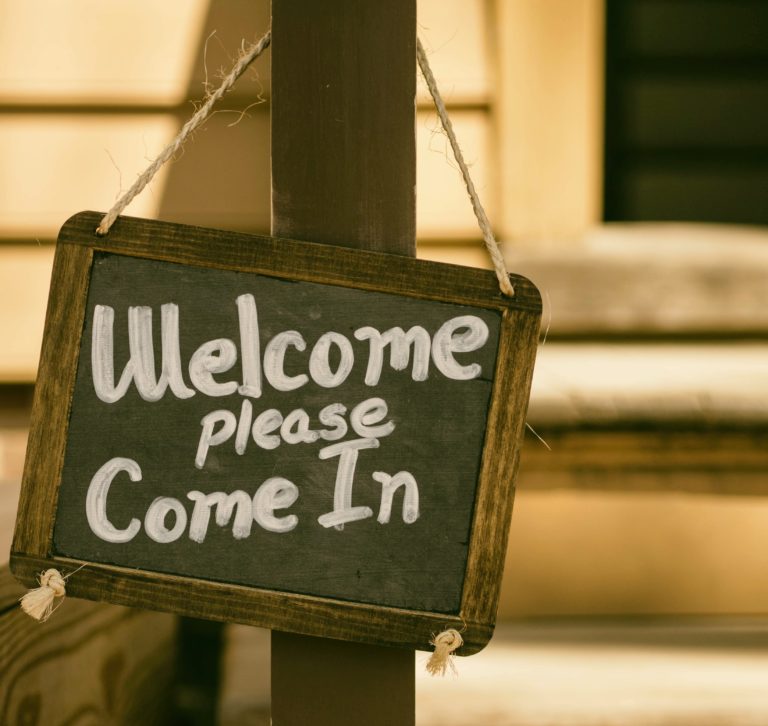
(610, 384)
(653, 279)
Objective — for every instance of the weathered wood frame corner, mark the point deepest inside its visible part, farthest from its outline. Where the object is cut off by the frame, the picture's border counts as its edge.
(287, 259)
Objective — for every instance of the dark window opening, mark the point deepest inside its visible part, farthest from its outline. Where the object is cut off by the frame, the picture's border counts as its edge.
(686, 112)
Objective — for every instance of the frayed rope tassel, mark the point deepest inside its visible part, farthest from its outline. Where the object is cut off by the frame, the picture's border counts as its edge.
(39, 603)
(442, 659)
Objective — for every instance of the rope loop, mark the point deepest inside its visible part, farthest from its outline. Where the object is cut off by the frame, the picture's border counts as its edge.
(482, 218)
(246, 58)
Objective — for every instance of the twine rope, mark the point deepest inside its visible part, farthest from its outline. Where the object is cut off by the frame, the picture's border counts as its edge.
(482, 218)
(246, 58)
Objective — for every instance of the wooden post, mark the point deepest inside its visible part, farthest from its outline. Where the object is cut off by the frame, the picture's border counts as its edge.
(343, 172)
(343, 115)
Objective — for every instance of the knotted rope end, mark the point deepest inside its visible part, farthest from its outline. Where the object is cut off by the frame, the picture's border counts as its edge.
(39, 603)
(442, 659)
(103, 229)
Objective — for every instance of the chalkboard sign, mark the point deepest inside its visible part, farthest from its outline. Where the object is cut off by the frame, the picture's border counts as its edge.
(303, 437)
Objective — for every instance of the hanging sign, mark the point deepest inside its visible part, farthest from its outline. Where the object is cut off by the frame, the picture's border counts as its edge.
(307, 438)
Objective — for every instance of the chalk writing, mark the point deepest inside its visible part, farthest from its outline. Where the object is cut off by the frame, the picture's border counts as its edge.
(267, 428)
(461, 334)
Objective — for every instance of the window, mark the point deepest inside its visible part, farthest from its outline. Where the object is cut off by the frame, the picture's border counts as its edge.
(686, 119)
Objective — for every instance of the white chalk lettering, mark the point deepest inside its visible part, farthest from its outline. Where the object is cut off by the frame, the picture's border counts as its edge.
(333, 415)
(285, 363)
(249, 346)
(319, 363)
(327, 367)
(275, 493)
(96, 501)
(399, 343)
(210, 437)
(274, 361)
(102, 357)
(447, 342)
(154, 521)
(225, 506)
(368, 419)
(367, 414)
(169, 344)
(214, 356)
(343, 511)
(243, 426)
(295, 428)
(141, 363)
(389, 485)
(267, 421)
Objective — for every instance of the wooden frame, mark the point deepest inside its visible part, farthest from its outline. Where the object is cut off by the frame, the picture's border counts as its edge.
(520, 316)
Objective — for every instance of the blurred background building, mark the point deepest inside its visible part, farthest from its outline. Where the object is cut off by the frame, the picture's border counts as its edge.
(621, 148)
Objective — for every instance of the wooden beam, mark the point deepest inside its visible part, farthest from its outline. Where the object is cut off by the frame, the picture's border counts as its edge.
(320, 681)
(343, 142)
(343, 172)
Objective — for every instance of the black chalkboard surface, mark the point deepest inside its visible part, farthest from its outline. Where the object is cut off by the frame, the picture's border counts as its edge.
(302, 437)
